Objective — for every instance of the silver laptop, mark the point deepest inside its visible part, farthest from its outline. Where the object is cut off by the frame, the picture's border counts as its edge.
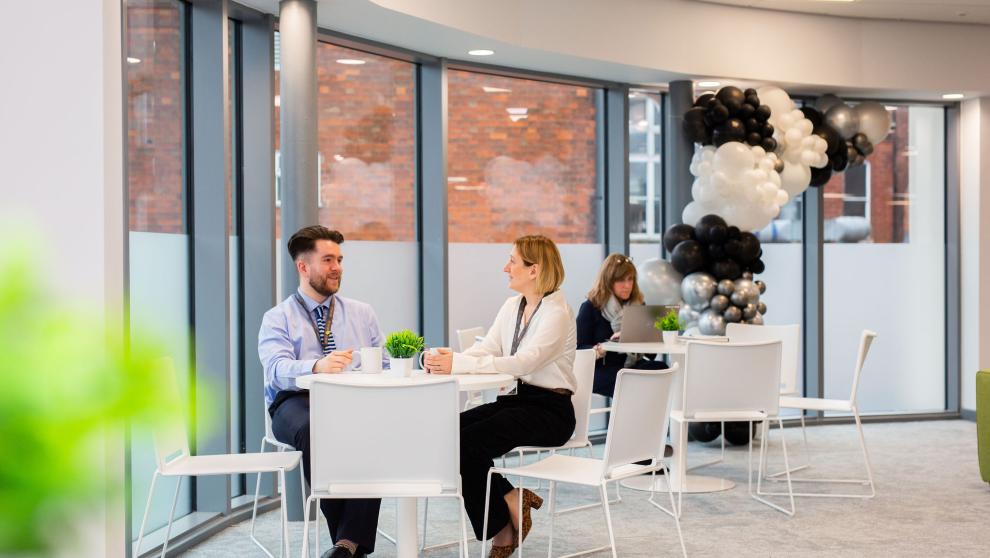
(637, 323)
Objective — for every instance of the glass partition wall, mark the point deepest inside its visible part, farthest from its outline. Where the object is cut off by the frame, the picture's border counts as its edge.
(524, 155)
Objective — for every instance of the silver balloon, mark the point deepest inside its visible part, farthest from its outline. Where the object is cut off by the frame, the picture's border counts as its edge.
(747, 275)
(732, 314)
(843, 118)
(762, 286)
(659, 282)
(697, 289)
(826, 102)
(874, 121)
(746, 293)
(719, 303)
(761, 307)
(711, 323)
(749, 311)
(757, 320)
(726, 286)
(688, 316)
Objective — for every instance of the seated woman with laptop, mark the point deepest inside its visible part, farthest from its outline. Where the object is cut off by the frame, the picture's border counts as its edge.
(600, 319)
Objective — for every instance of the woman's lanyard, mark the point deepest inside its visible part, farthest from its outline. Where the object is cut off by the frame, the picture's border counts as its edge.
(518, 335)
(316, 328)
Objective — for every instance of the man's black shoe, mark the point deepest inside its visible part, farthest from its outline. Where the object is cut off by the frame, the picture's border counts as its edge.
(342, 552)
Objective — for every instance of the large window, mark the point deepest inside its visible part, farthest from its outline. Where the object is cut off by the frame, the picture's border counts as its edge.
(645, 175)
(885, 268)
(158, 222)
(521, 159)
(367, 176)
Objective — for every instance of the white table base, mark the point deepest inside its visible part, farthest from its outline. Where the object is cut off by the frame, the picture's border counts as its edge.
(693, 484)
(407, 534)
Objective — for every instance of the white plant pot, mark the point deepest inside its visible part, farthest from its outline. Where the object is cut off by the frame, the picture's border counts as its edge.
(670, 337)
(400, 367)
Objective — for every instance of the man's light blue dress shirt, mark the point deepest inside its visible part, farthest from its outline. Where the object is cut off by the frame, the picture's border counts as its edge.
(288, 345)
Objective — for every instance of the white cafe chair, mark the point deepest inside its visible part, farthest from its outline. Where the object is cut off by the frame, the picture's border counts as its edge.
(267, 440)
(734, 382)
(839, 406)
(421, 425)
(174, 460)
(640, 411)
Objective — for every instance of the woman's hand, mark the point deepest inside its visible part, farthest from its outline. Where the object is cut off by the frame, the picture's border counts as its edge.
(615, 336)
(439, 363)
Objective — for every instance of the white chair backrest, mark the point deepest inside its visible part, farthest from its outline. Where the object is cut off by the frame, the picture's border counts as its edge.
(727, 377)
(865, 341)
(789, 334)
(465, 337)
(584, 372)
(393, 433)
(640, 411)
(169, 435)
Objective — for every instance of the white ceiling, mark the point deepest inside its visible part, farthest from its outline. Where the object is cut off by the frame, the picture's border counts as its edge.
(969, 11)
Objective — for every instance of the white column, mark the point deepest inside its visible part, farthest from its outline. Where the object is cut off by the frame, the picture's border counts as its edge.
(974, 217)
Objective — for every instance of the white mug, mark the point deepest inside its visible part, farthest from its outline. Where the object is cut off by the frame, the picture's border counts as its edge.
(422, 356)
(371, 360)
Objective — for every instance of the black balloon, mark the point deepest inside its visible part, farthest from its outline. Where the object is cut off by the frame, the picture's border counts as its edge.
(718, 113)
(749, 92)
(694, 125)
(732, 97)
(745, 111)
(862, 144)
(749, 248)
(757, 266)
(733, 231)
(688, 257)
(716, 251)
(711, 229)
(731, 130)
(753, 125)
(704, 100)
(754, 138)
(812, 114)
(839, 161)
(762, 113)
(704, 431)
(767, 130)
(737, 433)
(726, 269)
(677, 234)
(770, 145)
(831, 137)
(820, 176)
(752, 100)
(851, 153)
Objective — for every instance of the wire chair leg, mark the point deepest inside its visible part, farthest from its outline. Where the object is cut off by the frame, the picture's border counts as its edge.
(147, 508)
(171, 516)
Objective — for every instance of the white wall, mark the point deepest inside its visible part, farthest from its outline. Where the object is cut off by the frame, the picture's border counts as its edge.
(974, 228)
(61, 151)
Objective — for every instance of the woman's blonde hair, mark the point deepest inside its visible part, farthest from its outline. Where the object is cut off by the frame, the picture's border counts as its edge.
(616, 267)
(540, 250)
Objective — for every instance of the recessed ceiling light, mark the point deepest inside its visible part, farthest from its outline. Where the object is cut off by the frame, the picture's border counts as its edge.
(350, 61)
(707, 84)
(952, 96)
(278, 100)
(132, 60)
(489, 89)
(890, 107)
(481, 52)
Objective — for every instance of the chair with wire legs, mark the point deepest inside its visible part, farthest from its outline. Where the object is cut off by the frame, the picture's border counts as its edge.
(637, 431)
(839, 406)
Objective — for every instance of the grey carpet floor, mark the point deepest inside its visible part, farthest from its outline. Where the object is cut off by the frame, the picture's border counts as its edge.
(930, 502)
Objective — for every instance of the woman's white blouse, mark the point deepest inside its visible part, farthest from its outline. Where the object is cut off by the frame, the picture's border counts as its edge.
(545, 356)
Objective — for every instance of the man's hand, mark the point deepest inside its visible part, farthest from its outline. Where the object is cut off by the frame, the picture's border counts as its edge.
(334, 363)
(599, 351)
(441, 362)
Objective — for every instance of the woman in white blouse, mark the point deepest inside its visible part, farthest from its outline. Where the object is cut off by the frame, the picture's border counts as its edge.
(533, 338)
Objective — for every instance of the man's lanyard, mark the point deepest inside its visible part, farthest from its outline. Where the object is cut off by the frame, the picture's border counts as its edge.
(316, 328)
(517, 336)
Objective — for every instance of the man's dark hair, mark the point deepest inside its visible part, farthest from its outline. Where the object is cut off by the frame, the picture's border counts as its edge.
(304, 241)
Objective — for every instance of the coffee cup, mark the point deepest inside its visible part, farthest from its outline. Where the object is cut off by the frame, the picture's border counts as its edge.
(422, 356)
(371, 360)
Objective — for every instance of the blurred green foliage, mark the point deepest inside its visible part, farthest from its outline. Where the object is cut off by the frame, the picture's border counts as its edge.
(65, 383)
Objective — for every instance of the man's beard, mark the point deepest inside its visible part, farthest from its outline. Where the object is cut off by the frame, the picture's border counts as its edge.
(324, 287)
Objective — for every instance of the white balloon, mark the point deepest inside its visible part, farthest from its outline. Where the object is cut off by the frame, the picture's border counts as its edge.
(794, 179)
(733, 157)
(693, 213)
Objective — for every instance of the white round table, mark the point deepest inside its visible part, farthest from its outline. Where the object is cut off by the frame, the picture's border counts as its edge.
(406, 536)
(693, 484)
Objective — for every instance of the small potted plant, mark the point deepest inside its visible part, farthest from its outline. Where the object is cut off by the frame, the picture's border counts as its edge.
(402, 346)
(670, 325)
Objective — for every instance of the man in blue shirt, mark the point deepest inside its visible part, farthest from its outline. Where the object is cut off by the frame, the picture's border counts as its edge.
(315, 331)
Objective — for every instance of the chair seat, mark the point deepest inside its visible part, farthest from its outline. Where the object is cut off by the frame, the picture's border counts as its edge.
(570, 444)
(567, 469)
(815, 404)
(720, 416)
(230, 464)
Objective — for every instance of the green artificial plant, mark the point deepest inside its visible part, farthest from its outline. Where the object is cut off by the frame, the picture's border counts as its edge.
(669, 322)
(403, 344)
(68, 386)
